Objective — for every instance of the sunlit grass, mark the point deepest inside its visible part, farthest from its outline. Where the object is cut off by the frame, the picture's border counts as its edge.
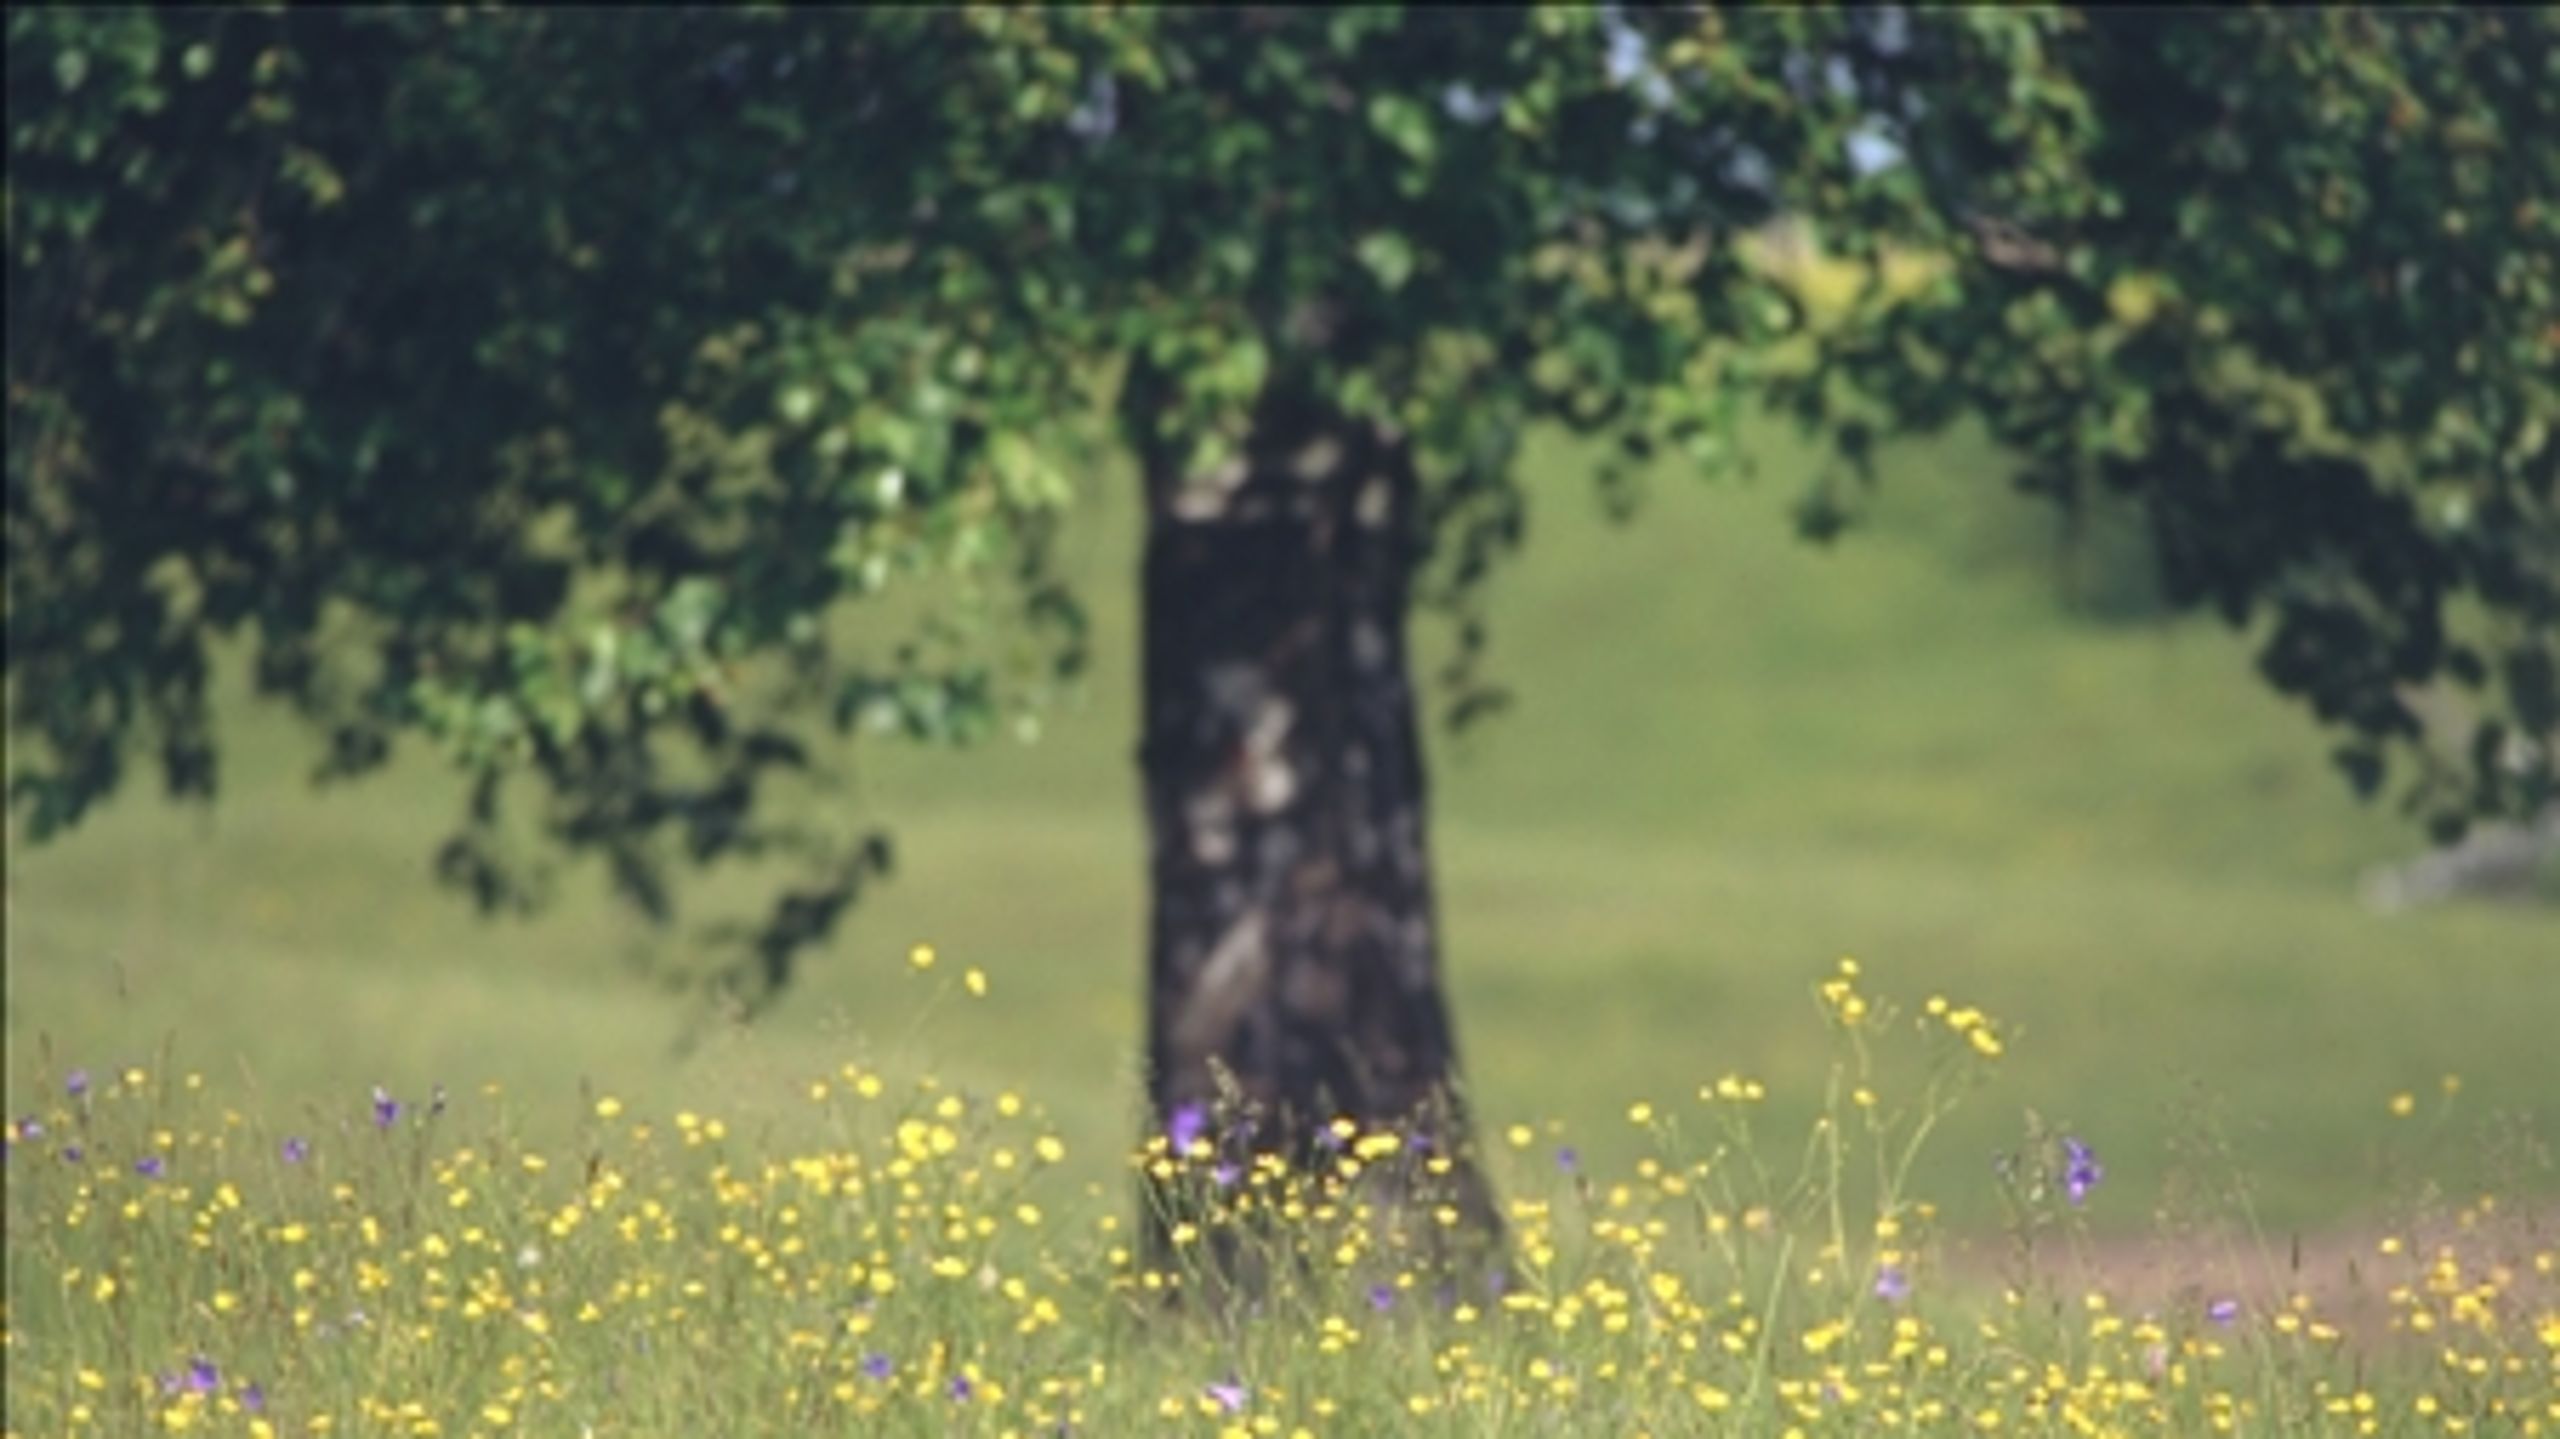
(1730, 749)
(921, 1259)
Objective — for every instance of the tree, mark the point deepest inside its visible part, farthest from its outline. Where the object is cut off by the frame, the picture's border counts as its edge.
(550, 390)
(2293, 282)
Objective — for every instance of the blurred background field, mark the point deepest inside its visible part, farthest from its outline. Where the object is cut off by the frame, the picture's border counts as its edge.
(2098, 826)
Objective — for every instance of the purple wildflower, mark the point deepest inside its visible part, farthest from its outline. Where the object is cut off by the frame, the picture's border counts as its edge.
(2080, 1170)
(1229, 1396)
(1382, 1297)
(2222, 1311)
(73, 1154)
(202, 1377)
(1569, 1159)
(1226, 1174)
(252, 1398)
(1187, 1123)
(150, 1166)
(76, 1083)
(296, 1150)
(386, 1110)
(960, 1388)
(1892, 1285)
(30, 1127)
(877, 1366)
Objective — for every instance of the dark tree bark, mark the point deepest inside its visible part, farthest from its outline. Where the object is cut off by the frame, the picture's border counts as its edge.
(1293, 952)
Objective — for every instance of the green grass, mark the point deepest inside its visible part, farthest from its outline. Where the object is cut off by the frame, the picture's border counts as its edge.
(922, 1263)
(1736, 757)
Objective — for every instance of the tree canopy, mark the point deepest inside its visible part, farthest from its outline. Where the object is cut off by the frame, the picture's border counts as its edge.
(546, 387)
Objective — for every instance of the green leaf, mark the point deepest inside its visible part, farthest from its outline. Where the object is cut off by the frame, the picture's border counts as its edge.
(1405, 124)
(1389, 256)
(1029, 481)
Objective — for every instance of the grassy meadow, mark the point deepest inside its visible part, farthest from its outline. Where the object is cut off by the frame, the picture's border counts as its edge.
(919, 1265)
(1736, 759)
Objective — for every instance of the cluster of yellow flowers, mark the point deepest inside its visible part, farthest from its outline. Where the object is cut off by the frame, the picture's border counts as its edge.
(421, 1270)
(1851, 1010)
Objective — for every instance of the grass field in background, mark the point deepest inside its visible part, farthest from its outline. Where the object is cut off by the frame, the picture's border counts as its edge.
(1736, 758)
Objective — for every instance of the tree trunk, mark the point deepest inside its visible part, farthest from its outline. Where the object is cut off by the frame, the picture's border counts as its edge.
(1293, 953)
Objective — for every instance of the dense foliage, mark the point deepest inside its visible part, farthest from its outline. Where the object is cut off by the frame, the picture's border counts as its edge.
(615, 405)
(2292, 280)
